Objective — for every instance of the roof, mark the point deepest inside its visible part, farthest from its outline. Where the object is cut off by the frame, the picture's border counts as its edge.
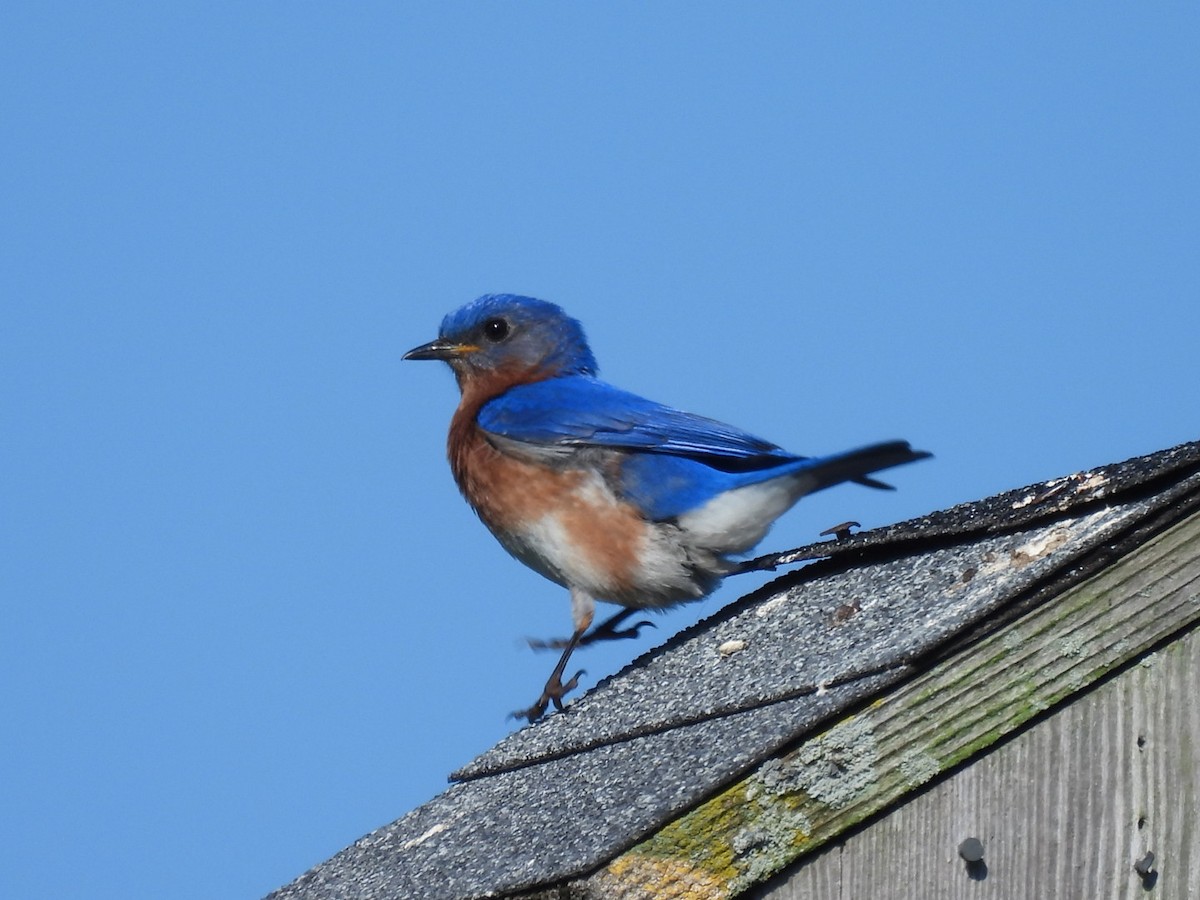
(557, 800)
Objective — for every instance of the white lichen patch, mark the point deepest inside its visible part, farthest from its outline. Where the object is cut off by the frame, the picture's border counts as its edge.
(834, 768)
(765, 846)
(1071, 645)
(918, 767)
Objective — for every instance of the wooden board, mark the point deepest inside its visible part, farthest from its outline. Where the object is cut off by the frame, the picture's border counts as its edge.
(1064, 810)
(1061, 822)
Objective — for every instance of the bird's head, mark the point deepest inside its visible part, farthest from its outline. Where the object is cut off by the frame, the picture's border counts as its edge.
(510, 337)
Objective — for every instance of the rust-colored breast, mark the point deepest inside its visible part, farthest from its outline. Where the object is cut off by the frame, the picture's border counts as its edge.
(501, 488)
(561, 519)
(506, 492)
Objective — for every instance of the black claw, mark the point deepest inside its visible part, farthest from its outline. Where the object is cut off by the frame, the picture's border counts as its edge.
(554, 692)
(637, 625)
(562, 689)
(613, 634)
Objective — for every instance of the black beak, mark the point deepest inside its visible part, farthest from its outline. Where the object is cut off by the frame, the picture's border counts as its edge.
(440, 349)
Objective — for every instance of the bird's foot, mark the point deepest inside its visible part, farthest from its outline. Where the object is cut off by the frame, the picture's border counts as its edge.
(553, 692)
(605, 631)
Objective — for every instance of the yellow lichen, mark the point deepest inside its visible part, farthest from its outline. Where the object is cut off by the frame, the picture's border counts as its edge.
(637, 877)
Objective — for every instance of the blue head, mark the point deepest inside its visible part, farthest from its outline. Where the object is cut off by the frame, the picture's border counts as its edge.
(507, 333)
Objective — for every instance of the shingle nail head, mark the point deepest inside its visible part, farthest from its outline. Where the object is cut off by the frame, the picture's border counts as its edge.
(971, 850)
(841, 531)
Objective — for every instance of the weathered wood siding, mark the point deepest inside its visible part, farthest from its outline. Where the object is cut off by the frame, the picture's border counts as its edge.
(1064, 809)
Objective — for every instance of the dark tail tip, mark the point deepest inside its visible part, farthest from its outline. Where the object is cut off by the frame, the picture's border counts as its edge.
(857, 465)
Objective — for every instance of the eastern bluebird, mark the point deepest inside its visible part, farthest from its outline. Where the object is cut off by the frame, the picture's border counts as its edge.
(613, 496)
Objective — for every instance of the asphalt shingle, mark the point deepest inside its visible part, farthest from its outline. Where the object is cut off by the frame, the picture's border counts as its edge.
(556, 799)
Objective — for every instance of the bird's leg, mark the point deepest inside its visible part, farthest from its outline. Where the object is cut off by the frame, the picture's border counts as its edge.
(583, 611)
(605, 631)
(554, 690)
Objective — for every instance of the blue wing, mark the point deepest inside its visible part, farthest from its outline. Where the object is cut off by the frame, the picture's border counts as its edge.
(582, 411)
(684, 460)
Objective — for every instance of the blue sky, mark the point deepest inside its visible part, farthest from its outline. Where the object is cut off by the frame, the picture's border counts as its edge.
(246, 616)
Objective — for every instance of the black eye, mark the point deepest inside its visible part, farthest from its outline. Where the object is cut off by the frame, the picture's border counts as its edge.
(495, 330)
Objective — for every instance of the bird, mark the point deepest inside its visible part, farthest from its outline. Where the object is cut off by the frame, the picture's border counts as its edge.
(615, 497)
